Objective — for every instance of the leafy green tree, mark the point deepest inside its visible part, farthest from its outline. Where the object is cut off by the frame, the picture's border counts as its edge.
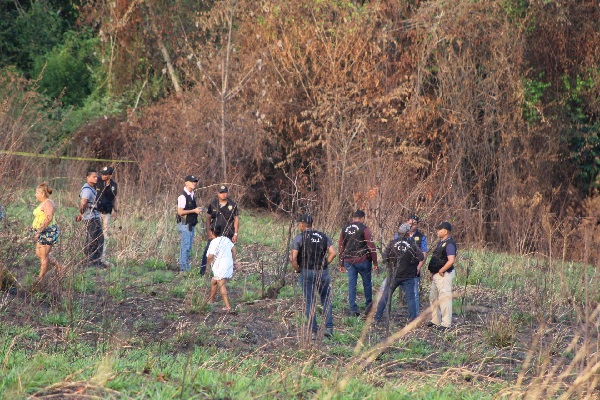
(27, 34)
(67, 70)
(584, 135)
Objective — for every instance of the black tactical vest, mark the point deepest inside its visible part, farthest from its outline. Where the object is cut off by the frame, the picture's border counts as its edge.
(355, 245)
(402, 254)
(190, 204)
(223, 216)
(439, 257)
(398, 248)
(311, 254)
(106, 193)
(417, 237)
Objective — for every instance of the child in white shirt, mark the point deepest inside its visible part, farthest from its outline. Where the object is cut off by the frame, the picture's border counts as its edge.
(221, 253)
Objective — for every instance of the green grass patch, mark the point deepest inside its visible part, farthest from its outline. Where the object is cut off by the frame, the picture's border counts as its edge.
(145, 331)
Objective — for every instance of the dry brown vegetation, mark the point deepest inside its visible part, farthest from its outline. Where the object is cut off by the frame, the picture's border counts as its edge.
(454, 110)
(393, 106)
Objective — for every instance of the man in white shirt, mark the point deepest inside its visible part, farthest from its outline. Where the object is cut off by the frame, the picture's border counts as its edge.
(187, 218)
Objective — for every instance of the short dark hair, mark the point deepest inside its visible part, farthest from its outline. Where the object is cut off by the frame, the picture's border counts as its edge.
(91, 171)
(306, 219)
(359, 214)
(217, 230)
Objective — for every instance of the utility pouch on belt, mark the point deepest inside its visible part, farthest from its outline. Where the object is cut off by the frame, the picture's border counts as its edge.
(434, 265)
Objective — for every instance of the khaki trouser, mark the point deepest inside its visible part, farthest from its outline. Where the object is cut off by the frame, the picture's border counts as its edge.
(105, 225)
(441, 290)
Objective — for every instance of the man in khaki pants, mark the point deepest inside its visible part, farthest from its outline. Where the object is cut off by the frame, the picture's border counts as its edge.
(441, 267)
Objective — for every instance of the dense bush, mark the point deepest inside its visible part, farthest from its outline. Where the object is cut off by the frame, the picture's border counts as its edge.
(67, 71)
(28, 33)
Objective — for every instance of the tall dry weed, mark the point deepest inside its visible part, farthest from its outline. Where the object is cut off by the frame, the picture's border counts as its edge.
(25, 126)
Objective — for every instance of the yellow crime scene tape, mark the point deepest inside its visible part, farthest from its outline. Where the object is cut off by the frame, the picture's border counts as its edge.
(25, 154)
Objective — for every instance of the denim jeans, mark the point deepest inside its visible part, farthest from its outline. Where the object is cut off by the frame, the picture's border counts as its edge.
(353, 270)
(313, 282)
(94, 241)
(417, 299)
(408, 285)
(186, 237)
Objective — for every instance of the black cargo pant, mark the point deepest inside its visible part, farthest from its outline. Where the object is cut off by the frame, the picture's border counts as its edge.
(94, 241)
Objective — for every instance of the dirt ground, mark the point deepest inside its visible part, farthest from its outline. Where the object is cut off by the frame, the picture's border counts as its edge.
(145, 316)
(146, 313)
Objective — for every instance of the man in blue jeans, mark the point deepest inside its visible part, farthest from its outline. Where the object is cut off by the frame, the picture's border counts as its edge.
(312, 252)
(402, 256)
(421, 241)
(187, 218)
(358, 256)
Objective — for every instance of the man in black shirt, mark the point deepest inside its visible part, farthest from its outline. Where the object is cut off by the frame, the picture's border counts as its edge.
(106, 193)
(223, 212)
(312, 252)
(358, 257)
(402, 257)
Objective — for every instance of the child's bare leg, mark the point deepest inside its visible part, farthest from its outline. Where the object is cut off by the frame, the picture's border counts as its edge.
(213, 291)
(223, 290)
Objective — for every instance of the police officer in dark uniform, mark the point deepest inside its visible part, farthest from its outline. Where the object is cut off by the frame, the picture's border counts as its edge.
(312, 252)
(106, 193)
(187, 218)
(223, 212)
(358, 256)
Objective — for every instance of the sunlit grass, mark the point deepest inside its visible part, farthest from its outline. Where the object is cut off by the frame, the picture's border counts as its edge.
(182, 350)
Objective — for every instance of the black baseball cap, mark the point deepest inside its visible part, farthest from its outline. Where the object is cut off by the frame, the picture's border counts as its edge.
(223, 189)
(191, 178)
(107, 171)
(359, 214)
(414, 217)
(306, 218)
(445, 225)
